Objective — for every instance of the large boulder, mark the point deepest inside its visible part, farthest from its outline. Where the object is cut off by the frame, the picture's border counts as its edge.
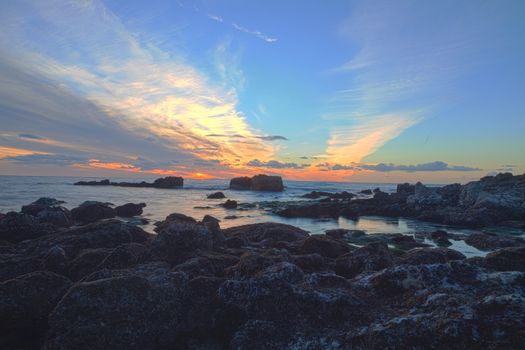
(173, 217)
(92, 211)
(372, 257)
(179, 240)
(507, 259)
(423, 256)
(17, 227)
(128, 312)
(48, 210)
(25, 303)
(241, 183)
(216, 195)
(258, 183)
(267, 183)
(324, 245)
(130, 209)
(263, 231)
(169, 182)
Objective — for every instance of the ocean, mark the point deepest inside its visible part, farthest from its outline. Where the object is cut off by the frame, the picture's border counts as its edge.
(191, 200)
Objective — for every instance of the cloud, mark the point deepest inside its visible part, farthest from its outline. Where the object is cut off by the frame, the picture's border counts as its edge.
(48, 159)
(30, 136)
(272, 138)
(351, 143)
(105, 93)
(216, 18)
(274, 164)
(257, 33)
(382, 167)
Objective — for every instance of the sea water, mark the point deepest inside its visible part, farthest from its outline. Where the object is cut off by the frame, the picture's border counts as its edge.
(192, 200)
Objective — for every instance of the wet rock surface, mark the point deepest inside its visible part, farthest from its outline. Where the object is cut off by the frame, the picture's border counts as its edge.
(492, 200)
(194, 285)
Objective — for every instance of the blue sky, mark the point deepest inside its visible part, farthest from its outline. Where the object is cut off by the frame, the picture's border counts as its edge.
(341, 90)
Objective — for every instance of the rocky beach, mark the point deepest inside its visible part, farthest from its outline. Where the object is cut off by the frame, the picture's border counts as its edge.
(91, 277)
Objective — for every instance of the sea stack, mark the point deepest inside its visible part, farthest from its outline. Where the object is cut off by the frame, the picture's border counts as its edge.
(257, 183)
(163, 182)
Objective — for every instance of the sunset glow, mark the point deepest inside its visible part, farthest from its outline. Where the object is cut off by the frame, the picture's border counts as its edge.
(193, 90)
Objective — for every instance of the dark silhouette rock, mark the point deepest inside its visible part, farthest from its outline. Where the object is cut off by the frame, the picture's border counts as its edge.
(258, 183)
(130, 209)
(230, 204)
(93, 183)
(164, 182)
(216, 195)
(507, 259)
(17, 227)
(25, 303)
(91, 212)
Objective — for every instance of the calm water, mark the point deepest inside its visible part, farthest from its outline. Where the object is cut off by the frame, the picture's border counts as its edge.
(16, 191)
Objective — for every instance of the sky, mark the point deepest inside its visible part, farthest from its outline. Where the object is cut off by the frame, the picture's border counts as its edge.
(363, 91)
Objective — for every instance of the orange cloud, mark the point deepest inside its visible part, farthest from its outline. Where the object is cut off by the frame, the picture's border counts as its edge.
(15, 152)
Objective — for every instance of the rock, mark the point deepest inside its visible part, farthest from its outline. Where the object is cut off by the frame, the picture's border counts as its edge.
(27, 255)
(308, 262)
(258, 183)
(165, 182)
(372, 257)
(213, 225)
(484, 241)
(178, 239)
(241, 183)
(230, 204)
(169, 182)
(405, 242)
(93, 183)
(208, 263)
(421, 256)
(55, 260)
(440, 237)
(269, 230)
(86, 262)
(324, 245)
(130, 209)
(216, 195)
(17, 227)
(338, 233)
(174, 217)
(125, 256)
(367, 192)
(25, 303)
(48, 210)
(91, 212)
(118, 313)
(252, 263)
(267, 183)
(234, 242)
(507, 259)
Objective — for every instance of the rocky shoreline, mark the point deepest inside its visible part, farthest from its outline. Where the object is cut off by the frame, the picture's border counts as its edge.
(164, 182)
(493, 200)
(83, 279)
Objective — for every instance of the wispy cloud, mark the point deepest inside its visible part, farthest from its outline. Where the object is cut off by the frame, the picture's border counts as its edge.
(257, 33)
(215, 18)
(118, 86)
(382, 167)
(274, 164)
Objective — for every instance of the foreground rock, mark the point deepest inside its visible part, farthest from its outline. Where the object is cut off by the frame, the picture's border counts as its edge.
(92, 211)
(492, 200)
(130, 209)
(109, 284)
(258, 183)
(165, 182)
